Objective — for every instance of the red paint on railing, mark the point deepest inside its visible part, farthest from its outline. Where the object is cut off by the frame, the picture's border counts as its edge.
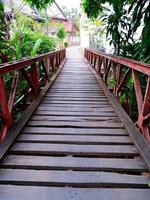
(30, 69)
(105, 64)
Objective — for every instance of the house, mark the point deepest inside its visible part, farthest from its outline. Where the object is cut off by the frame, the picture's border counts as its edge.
(58, 17)
(53, 12)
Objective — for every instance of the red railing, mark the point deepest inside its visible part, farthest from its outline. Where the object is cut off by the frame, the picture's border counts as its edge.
(120, 71)
(35, 72)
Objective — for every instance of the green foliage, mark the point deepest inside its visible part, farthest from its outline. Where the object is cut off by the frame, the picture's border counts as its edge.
(122, 18)
(93, 7)
(36, 47)
(65, 44)
(29, 43)
(2, 34)
(39, 4)
(61, 33)
(27, 40)
(4, 44)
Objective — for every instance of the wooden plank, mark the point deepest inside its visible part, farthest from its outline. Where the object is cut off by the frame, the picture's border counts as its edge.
(15, 130)
(72, 178)
(74, 163)
(76, 102)
(75, 99)
(70, 149)
(75, 109)
(63, 113)
(74, 131)
(77, 86)
(15, 192)
(75, 139)
(75, 95)
(89, 124)
(77, 105)
(73, 118)
(77, 92)
(78, 83)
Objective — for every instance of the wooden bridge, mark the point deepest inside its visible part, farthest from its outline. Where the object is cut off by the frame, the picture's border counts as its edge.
(74, 141)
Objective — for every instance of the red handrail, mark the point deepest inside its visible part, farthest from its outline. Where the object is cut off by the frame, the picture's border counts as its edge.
(111, 66)
(36, 71)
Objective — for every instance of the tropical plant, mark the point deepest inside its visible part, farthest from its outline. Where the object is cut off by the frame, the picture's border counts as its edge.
(4, 47)
(27, 39)
(65, 44)
(61, 33)
(123, 18)
(29, 43)
(38, 3)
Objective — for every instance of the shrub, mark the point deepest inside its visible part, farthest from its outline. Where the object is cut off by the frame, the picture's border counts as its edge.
(61, 33)
(66, 44)
(30, 43)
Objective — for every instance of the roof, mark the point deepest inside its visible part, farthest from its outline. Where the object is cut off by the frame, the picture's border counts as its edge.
(53, 10)
(68, 25)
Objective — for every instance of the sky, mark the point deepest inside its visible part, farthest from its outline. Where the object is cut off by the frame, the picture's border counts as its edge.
(69, 3)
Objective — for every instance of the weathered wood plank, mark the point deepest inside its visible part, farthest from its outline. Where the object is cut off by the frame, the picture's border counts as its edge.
(72, 178)
(63, 113)
(73, 118)
(77, 105)
(100, 124)
(74, 163)
(71, 149)
(75, 131)
(75, 139)
(75, 95)
(76, 90)
(75, 109)
(76, 102)
(14, 192)
(76, 99)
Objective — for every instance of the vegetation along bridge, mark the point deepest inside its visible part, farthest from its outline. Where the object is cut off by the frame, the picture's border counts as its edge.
(74, 140)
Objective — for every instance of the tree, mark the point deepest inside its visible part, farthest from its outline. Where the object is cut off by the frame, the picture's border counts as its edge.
(123, 20)
(3, 35)
(39, 4)
(61, 33)
(3, 26)
(141, 15)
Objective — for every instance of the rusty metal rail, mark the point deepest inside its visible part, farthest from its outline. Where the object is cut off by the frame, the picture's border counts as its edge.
(121, 71)
(36, 72)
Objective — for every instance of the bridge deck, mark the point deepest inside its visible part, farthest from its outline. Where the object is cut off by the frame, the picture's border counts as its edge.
(74, 147)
